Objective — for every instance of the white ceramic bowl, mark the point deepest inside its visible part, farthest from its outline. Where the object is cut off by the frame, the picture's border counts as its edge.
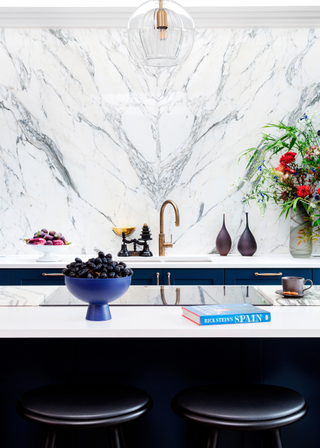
(50, 253)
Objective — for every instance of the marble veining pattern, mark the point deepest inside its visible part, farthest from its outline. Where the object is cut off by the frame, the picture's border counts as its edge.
(89, 140)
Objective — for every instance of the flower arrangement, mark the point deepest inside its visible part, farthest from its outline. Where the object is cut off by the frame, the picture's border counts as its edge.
(291, 181)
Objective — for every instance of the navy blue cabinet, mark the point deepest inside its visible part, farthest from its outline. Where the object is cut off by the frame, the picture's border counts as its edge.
(147, 277)
(36, 277)
(4, 277)
(164, 276)
(262, 276)
(316, 276)
(193, 276)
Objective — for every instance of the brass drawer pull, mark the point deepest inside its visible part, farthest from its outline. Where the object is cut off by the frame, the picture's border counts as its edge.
(53, 275)
(169, 275)
(267, 275)
(158, 276)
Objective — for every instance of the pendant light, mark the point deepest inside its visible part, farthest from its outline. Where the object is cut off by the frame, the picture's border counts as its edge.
(161, 33)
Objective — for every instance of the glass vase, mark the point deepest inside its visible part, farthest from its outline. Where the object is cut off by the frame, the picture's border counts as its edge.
(298, 221)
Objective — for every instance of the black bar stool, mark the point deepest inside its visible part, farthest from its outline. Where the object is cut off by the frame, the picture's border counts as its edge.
(245, 407)
(84, 406)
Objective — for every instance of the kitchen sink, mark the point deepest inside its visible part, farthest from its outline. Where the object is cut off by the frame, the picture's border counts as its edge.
(171, 258)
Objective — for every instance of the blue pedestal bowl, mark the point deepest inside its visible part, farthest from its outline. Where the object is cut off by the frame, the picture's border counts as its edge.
(97, 293)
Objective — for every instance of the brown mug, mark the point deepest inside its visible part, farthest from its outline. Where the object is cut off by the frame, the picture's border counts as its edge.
(295, 284)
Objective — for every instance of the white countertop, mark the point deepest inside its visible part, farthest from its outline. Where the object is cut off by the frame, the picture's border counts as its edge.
(142, 321)
(180, 262)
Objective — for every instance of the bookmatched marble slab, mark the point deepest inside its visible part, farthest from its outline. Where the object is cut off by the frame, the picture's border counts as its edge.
(90, 140)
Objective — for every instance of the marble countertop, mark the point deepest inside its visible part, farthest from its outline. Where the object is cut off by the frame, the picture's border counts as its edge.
(198, 261)
(140, 321)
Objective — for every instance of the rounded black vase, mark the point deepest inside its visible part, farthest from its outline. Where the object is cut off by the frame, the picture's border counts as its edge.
(223, 241)
(247, 245)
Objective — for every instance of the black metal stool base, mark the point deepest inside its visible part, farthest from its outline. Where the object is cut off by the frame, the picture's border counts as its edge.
(51, 438)
(208, 438)
(272, 438)
(116, 439)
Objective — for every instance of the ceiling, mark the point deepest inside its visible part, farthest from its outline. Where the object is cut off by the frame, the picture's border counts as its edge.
(133, 3)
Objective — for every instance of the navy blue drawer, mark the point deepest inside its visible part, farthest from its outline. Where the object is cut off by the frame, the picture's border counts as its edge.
(254, 277)
(193, 276)
(36, 277)
(4, 276)
(146, 276)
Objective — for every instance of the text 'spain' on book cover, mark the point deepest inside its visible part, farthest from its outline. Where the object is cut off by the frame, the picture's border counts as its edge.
(236, 313)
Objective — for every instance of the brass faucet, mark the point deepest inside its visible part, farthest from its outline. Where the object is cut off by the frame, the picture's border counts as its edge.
(162, 243)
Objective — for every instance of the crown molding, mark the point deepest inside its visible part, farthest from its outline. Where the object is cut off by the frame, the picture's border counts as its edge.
(211, 17)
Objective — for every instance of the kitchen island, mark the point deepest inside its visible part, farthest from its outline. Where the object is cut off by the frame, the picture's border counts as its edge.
(52, 312)
(155, 348)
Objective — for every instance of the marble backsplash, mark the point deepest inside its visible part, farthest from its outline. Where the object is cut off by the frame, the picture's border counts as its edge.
(89, 140)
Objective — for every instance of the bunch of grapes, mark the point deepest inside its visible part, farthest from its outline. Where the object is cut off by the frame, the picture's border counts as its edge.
(101, 267)
(45, 238)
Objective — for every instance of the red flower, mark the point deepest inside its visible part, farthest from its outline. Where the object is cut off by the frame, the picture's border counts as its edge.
(318, 190)
(290, 170)
(303, 191)
(288, 157)
(281, 168)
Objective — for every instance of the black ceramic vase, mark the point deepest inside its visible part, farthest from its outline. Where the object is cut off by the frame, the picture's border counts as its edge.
(223, 241)
(247, 245)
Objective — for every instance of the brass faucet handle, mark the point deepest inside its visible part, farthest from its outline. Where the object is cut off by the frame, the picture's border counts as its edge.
(168, 244)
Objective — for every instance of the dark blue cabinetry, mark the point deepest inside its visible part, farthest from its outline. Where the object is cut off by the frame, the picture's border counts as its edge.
(263, 276)
(193, 276)
(4, 276)
(36, 277)
(316, 276)
(163, 276)
(147, 277)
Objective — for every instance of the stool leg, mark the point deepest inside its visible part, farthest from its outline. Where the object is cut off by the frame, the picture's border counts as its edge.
(51, 438)
(116, 438)
(272, 438)
(208, 438)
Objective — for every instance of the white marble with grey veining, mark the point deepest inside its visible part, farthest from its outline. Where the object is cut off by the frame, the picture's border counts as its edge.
(89, 140)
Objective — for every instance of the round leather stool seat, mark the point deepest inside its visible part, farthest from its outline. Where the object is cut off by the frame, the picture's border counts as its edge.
(240, 407)
(84, 406)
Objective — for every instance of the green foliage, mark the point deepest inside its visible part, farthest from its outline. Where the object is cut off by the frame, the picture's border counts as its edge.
(285, 170)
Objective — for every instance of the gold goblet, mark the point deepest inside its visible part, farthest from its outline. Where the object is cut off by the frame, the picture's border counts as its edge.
(123, 230)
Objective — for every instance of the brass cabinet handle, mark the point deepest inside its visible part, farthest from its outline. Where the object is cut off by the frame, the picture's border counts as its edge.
(267, 275)
(177, 296)
(169, 275)
(158, 276)
(53, 275)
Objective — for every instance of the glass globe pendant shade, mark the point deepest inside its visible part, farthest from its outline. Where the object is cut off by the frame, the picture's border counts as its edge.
(161, 33)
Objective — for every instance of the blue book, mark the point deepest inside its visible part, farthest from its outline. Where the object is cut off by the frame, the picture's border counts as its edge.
(236, 313)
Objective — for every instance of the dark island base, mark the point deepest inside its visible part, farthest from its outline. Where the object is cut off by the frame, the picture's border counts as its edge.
(161, 367)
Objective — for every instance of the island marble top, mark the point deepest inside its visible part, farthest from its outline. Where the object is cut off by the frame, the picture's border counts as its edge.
(26, 312)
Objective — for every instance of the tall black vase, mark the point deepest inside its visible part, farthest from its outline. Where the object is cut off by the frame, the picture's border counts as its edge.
(223, 241)
(247, 245)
